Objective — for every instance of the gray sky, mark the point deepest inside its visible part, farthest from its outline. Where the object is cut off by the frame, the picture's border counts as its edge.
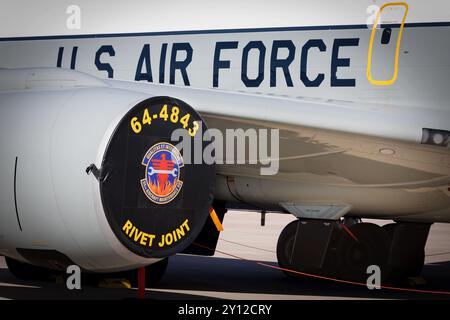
(44, 17)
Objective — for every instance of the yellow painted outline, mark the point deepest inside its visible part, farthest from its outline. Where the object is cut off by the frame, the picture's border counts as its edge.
(397, 50)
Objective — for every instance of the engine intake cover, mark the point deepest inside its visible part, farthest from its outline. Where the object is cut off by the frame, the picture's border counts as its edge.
(155, 201)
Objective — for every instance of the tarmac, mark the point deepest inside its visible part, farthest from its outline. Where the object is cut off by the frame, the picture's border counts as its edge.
(234, 273)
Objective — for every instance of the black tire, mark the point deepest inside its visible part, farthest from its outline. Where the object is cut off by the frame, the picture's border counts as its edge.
(413, 269)
(353, 257)
(389, 228)
(153, 273)
(285, 246)
(25, 271)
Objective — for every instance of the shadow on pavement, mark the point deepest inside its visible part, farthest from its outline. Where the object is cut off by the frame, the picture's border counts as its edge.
(231, 275)
(194, 274)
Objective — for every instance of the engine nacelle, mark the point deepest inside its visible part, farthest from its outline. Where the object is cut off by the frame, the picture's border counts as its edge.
(140, 203)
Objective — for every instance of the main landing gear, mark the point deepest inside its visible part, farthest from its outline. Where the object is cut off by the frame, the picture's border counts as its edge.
(344, 249)
(25, 271)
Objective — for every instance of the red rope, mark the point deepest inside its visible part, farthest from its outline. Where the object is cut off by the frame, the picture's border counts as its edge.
(247, 246)
(349, 232)
(326, 278)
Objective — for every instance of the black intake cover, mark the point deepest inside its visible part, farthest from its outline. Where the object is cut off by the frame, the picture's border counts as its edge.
(155, 202)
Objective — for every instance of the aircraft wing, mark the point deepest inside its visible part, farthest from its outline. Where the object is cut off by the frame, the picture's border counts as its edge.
(375, 159)
(313, 129)
(366, 158)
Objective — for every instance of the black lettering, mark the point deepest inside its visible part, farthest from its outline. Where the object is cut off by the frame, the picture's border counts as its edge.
(180, 65)
(314, 43)
(284, 64)
(101, 66)
(60, 56)
(144, 58)
(162, 63)
(258, 45)
(73, 59)
(337, 62)
(221, 64)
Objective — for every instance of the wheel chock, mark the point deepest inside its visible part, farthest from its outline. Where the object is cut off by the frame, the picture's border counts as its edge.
(115, 284)
(416, 281)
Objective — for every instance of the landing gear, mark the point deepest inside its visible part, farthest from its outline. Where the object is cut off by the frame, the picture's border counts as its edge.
(302, 246)
(153, 274)
(285, 247)
(368, 245)
(25, 271)
(407, 250)
(345, 251)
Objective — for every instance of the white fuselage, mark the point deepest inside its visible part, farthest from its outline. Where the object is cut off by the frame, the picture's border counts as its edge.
(324, 63)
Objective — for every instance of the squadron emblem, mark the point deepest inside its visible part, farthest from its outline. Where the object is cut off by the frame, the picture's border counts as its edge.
(163, 163)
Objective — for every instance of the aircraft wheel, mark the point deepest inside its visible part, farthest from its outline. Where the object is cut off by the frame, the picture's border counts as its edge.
(412, 268)
(153, 273)
(285, 246)
(25, 271)
(352, 257)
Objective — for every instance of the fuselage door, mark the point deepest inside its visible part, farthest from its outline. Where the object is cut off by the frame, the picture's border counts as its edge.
(385, 42)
